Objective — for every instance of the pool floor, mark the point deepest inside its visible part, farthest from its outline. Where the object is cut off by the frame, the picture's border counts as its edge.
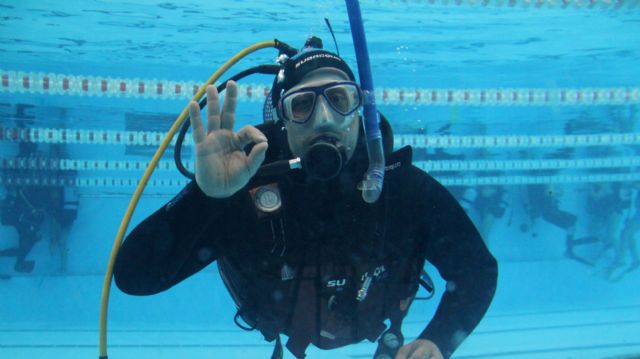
(602, 323)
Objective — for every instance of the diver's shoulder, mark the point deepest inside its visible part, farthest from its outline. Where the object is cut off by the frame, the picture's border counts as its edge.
(399, 168)
(400, 162)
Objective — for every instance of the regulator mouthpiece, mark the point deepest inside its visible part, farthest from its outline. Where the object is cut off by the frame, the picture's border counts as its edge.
(323, 160)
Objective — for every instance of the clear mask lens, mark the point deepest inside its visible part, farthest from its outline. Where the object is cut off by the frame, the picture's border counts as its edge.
(301, 105)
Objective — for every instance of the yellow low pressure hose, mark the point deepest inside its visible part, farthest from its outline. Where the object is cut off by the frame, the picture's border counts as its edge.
(106, 289)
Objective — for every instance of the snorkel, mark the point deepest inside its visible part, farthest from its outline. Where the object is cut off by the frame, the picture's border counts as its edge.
(373, 179)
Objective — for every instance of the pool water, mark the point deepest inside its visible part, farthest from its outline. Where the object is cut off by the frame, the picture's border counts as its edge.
(527, 111)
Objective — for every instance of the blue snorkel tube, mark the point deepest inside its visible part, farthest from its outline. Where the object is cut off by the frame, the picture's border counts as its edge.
(371, 185)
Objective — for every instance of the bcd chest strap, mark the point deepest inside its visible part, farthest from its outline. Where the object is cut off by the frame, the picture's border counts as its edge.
(268, 202)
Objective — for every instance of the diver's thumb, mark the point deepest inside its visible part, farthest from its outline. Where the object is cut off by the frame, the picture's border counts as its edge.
(256, 157)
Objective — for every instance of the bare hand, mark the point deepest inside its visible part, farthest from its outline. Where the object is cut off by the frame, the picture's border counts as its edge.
(419, 349)
(222, 166)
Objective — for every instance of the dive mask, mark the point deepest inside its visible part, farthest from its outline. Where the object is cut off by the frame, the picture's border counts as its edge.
(344, 98)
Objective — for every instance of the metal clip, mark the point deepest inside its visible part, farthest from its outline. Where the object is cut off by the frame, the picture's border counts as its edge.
(287, 273)
(364, 290)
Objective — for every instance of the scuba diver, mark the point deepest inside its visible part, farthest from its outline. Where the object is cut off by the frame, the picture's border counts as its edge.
(300, 252)
(626, 244)
(31, 208)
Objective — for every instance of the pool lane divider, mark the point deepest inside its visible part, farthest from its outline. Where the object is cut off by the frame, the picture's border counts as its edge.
(40, 83)
(80, 165)
(173, 184)
(152, 139)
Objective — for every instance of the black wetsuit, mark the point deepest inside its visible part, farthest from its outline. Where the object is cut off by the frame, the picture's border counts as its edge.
(271, 260)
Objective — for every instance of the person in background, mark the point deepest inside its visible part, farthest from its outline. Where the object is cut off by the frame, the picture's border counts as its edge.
(484, 204)
(23, 209)
(32, 207)
(491, 205)
(629, 194)
(543, 201)
(605, 207)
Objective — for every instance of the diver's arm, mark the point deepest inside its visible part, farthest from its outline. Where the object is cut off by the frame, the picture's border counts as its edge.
(184, 236)
(456, 249)
(176, 241)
